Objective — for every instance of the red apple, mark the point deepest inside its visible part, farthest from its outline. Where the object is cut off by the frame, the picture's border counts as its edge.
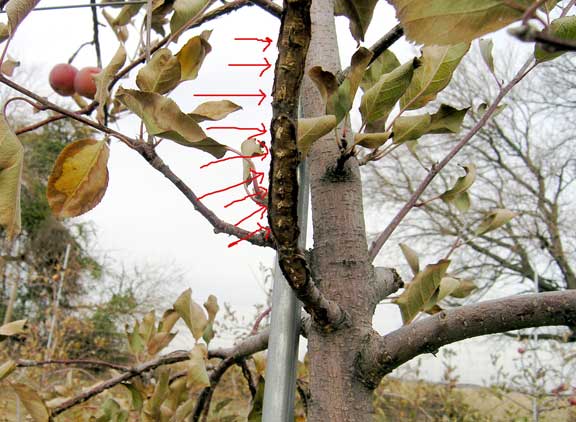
(521, 350)
(572, 401)
(62, 79)
(84, 83)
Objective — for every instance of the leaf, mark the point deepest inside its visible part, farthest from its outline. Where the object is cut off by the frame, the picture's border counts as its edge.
(161, 74)
(563, 28)
(8, 67)
(257, 405)
(311, 129)
(184, 410)
(486, 47)
(212, 307)
(359, 12)
(17, 10)
(104, 78)
(325, 81)
(79, 178)
(371, 140)
(11, 163)
(458, 195)
(136, 343)
(495, 219)
(380, 99)
(421, 290)
(13, 328)
(447, 119)
(169, 318)
(406, 128)
(208, 334)
(161, 391)
(249, 148)
(360, 60)
(385, 63)
(136, 396)
(162, 117)
(444, 22)
(7, 368)
(437, 66)
(447, 286)
(4, 32)
(411, 257)
(464, 290)
(158, 342)
(192, 55)
(184, 11)
(126, 14)
(192, 314)
(32, 402)
(197, 374)
(214, 110)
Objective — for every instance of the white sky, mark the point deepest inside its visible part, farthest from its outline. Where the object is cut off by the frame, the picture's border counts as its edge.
(143, 219)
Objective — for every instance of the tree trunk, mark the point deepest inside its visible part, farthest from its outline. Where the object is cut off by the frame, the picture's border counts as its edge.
(340, 264)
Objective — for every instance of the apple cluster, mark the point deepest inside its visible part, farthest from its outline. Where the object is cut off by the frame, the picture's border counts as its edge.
(66, 80)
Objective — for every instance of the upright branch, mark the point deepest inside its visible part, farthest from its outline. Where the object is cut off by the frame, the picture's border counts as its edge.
(293, 41)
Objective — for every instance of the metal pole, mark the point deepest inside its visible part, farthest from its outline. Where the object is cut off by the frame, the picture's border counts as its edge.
(535, 410)
(285, 330)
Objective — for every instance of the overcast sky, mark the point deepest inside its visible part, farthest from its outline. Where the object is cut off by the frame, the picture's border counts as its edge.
(143, 219)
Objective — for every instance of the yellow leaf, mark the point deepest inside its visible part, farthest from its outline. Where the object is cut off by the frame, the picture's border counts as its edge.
(192, 55)
(79, 178)
(11, 162)
(32, 402)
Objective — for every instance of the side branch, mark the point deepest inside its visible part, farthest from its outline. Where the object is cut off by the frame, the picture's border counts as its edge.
(293, 41)
(496, 316)
(149, 154)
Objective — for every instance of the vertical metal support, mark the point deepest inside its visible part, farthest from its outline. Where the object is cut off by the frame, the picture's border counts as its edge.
(535, 409)
(285, 330)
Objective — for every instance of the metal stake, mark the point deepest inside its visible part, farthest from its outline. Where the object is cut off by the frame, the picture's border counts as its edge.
(285, 330)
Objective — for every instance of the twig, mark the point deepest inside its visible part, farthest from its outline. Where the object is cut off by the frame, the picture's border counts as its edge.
(248, 377)
(260, 318)
(270, 7)
(96, 40)
(148, 152)
(23, 363)
(205, 396)
(436, 168)
(529, 34)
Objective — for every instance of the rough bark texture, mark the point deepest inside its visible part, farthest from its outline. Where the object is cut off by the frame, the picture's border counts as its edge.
(340, 257)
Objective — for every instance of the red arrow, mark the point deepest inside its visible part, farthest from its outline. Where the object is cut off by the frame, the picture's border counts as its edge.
(266, 65)
(267, 233)
(256, 175)
(261, 130)
(267, 40)
(260, 94)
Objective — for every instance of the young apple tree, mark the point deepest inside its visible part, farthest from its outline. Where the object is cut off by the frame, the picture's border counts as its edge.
(336, 280)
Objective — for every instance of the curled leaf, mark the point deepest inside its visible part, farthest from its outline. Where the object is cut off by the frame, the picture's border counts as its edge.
(79, 178)
(192, 55)
(192, 314)
(495, 219)
(11, 163)
(161, 74)
(411, 257)
(458, 195)
(311, 129)
(104, 78)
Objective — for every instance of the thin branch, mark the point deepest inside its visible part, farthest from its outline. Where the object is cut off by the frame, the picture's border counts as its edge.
(293, 41)
(248, 377)
(388, 352)
(148, 152)
(206, 394)
(96, 39)
(270, 7)
(436, 168)
(551, 42)
(260, 318)
(23, 363)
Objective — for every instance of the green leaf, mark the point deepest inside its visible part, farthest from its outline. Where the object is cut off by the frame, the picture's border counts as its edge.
(380, 99)
(104, 78)
(161, 74)
(32, 402)
(360, 60)
(17, 10)
(458, 195)
(464, 290)
(371, 140)
(444, 22)
(184, 11)
(311, 129)
(136, 396)
(257, 405)
(7, 368)
(197, 374)
(126, 14)
(11, 163)
(411, 257)
(486, 47)
(495, 219)
(563, 28)
(385, 63)
(161, 391)
(447, 119)
(211, 306)
(421, 290)
(192, 314)
(192, 55)
(112, 412)
(360, 14)
(406, 128)
(437, 66)
(79, 178)
(136, 343)
(162, 117)
(214, 110)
